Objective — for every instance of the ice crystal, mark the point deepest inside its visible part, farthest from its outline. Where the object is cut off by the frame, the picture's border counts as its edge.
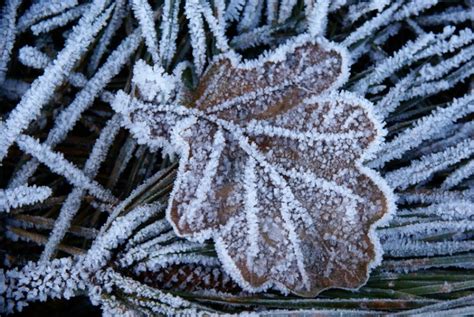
(22, 195)
(270, 166)
(271, 154)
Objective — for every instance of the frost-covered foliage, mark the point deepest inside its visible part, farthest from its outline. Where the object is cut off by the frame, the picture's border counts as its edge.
(168, 157)
(22, 195)
(270, 166)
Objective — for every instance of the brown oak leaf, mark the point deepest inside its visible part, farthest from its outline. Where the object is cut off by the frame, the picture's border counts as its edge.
(271, 167)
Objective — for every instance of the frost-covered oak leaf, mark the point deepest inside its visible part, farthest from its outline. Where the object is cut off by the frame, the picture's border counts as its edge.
(271, 167)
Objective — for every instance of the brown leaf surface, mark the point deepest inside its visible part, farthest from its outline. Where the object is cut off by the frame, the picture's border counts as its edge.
(271, 169)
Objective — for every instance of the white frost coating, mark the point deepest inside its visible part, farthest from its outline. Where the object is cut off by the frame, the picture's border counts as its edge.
(286, 6)
(435, 196)
(424, 129)
(396, 12)
(271, 12)
(144, 14)
(427, 165)
(22, 195)
(251, 209)
(234, 9)
(193, 11)
(279, 54)
(155, 254)
(217, 27)
(220, 6)
(413, 8)
(452, 15)
(116, 234)
(337, 4)
(392, 99)
(32, 57)
(59, 20)
(58, 164)
(155, 264)
(449, 42)
(419, 231)
(153, 82)
(38, 282)
(426, 45)
(359, 9)
(43, 9)
(433, 87)
(271, 191)
(432, 79)
(169, 30)
(94, 86)
(120, 11)
(432, 72)
(381, 182)
(152, 230)
(8, 33)
(288, 205)
(42, 88)
(452, 209)
(372, 25)
(255, 37)
(385, 34)
(438, 66)
(151, 248)
(167, 304)
(390, 65)
(73, 201)
(68, 117)
(251, 15)
(134, 194)
(125, 105)
(401, 248)
(317, 17)
(459, 175)
(210, 171)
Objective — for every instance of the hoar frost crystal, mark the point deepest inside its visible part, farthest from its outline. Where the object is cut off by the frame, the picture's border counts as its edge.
(270, 164)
